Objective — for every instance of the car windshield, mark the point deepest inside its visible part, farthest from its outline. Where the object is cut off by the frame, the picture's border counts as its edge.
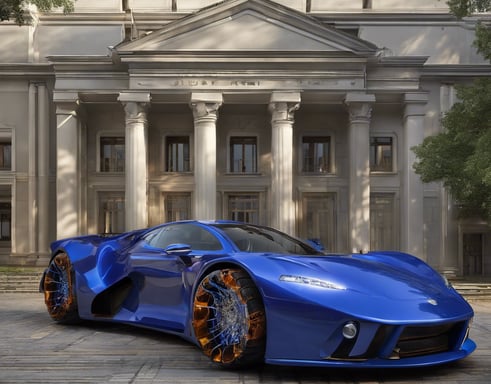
(251, 238)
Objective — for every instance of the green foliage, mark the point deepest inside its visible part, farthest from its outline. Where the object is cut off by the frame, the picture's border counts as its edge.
(15, 9)
(460, 156)
(462, 8)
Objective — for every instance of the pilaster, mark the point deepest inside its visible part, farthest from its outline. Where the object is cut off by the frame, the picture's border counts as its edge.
(68, 188)
(412, 191)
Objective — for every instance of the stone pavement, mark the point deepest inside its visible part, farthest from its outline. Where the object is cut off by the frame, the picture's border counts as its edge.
(34, 349)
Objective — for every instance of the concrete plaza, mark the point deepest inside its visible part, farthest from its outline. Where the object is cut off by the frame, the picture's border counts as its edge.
(33, 349)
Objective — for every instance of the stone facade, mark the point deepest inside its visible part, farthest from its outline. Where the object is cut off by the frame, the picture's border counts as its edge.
(299, 114)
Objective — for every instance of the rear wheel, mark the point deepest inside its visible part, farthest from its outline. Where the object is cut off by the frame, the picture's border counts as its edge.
(59, 290)
(228, 318)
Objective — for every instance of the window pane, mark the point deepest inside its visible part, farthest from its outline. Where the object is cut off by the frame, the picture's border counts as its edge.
(5, 156)
(244, 207)
(112, 154)
(177, 206)
(316, 154)
(111, 212)
(243, 154)
(196, 237)
(381, 154)
(178, 159)
(5, 221)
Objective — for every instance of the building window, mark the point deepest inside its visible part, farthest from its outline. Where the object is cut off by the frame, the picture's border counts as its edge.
(381, 154)
(178, 157)
(177, 206)
(243, 154)
(112, 156)
(111, 212)
(244, 207)
(383, 223)
(316, 154)
(5, 221)
(319, 219)
(5, 155)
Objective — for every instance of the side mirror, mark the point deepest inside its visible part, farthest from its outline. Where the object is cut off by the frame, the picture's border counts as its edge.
(180, 250)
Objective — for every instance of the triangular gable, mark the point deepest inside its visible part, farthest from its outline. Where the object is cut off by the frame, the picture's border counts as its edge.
(248, 25)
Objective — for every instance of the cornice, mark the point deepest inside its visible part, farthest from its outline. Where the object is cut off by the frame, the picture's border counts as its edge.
(457, 70)
(26, 69)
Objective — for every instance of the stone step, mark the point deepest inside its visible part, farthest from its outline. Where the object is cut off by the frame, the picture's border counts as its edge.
(21, 281)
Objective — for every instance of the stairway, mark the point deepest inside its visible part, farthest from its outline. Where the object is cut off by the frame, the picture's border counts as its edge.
(20, 280)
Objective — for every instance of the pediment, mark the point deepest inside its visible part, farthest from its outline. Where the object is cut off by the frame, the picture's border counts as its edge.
(248, 26)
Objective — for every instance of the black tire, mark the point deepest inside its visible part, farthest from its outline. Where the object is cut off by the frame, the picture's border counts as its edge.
(59, 290)
(229, 321)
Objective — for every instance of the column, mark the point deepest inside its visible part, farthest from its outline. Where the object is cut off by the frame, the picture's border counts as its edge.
(32, 200)
(282, 107)
(44, 214)
(360, 111)
(412, 222)
(205, 112)
(68, 192)
(136, 181)
(449, 248)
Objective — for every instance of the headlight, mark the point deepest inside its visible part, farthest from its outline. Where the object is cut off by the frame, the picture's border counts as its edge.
(311, 281)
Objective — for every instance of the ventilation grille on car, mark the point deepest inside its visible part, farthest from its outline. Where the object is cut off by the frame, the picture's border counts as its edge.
(418, 341)
(412, 341)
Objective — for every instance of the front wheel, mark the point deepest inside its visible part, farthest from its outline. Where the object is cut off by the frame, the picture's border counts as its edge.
(228, 318)
(59, 290)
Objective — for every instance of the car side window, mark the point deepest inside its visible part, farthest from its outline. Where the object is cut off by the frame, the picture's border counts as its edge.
(193, 235)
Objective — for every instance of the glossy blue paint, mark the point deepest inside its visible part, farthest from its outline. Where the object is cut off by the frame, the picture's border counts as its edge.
(308, 297)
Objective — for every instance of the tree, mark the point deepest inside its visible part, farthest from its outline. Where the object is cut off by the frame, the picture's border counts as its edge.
(16, 9)
(460, 156)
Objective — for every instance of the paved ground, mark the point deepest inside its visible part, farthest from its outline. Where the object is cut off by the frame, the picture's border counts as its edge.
(33, 349)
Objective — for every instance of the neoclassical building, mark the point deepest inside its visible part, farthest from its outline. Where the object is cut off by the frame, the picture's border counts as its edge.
(297, 114)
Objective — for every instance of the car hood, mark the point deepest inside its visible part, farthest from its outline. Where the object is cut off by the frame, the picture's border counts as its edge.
(366, 287)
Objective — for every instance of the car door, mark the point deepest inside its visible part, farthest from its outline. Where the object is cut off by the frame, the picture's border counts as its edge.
(162, 297)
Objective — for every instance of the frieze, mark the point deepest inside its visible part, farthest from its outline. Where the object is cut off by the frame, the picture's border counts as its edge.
(245, 84)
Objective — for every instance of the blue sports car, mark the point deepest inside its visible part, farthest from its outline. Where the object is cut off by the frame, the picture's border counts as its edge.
(246, 294)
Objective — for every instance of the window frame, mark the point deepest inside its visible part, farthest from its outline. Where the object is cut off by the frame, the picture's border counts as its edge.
(229, 210)
(164, 198)
(330, 159)
(393, 149)
(7, 136)
(231, 153)
(166, 151)
(114, 136)
(102, 197)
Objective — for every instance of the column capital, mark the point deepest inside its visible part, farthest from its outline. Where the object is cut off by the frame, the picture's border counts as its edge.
(359, 106)
(282, 105)
(67, 103)
(415, 103)
(205, 105)
(135, 105)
